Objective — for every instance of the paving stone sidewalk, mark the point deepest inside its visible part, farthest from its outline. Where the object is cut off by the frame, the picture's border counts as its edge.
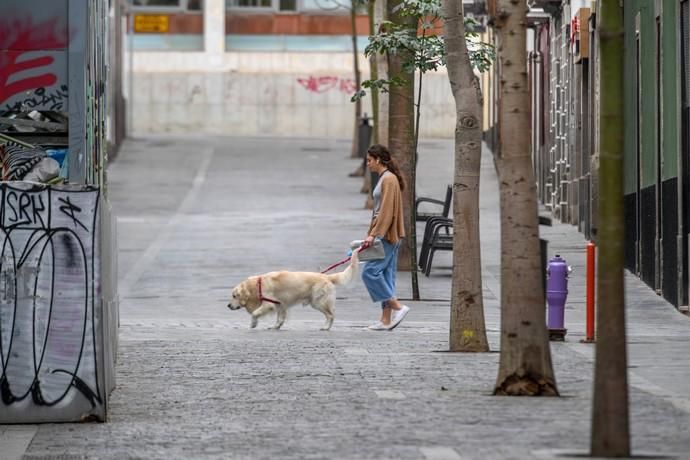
(197, 215)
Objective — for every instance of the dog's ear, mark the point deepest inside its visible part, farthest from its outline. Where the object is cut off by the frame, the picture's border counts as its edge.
(249, 294)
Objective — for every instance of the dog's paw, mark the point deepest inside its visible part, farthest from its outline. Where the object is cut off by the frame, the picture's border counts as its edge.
(254, 323)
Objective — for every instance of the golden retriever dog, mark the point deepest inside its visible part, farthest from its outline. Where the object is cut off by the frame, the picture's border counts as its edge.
(279, 291)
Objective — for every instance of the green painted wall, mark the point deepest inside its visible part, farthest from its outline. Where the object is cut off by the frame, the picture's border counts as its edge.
(648, 92)
(632, 7)
(629, 101)
(671, 95)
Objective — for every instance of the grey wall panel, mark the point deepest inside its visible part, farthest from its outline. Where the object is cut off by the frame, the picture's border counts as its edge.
(51, 314)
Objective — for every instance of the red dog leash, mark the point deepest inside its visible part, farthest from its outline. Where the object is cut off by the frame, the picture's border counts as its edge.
(345, 260)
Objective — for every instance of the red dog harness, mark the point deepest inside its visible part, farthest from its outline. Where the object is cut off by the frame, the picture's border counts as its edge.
(261, 296)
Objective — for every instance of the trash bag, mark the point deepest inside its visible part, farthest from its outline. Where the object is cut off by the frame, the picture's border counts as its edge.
(43, 171)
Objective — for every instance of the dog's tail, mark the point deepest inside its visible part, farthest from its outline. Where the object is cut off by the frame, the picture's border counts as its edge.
(347, 275)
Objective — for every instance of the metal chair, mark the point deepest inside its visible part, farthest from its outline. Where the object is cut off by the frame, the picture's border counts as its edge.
(445, 206)
(435, 240)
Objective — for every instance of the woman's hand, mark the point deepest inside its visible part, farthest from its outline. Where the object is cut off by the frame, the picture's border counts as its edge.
(368, 242)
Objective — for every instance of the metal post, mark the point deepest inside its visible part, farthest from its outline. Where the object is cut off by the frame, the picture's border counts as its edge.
(590, 292)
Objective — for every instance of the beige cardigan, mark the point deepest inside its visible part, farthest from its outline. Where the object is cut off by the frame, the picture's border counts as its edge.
(389, 224)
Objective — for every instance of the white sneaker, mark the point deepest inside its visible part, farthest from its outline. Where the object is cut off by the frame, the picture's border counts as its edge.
(398, 316)
(379, 326)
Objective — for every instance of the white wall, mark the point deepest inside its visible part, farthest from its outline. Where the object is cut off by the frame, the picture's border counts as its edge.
(263, 94)
(259, 93)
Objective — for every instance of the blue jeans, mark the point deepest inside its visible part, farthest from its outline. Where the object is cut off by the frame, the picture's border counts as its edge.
(379, 275)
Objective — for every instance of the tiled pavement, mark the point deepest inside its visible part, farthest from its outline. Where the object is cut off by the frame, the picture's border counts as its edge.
(195, 216)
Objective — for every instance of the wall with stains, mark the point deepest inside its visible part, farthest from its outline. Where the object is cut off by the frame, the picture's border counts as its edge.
(51, 317)
(58, 254)
(264, 94)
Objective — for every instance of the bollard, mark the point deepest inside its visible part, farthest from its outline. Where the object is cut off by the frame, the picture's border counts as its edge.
(591, 263)
(556, 293)
(364, 132)
(544, 251)
(364, 137)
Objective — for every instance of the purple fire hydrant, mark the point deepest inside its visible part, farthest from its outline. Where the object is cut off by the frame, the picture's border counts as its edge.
(556, 293)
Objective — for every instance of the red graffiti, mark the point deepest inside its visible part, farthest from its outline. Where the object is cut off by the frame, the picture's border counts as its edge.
(347, 86)
(17, 37)
(323, 84)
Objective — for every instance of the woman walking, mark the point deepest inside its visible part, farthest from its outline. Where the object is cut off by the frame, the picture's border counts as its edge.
(388, 226)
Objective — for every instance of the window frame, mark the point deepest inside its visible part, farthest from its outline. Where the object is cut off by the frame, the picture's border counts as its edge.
(183, 7)
(317, 10)
(275, 8)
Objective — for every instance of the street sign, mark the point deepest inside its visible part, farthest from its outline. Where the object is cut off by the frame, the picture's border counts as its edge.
(151, 23)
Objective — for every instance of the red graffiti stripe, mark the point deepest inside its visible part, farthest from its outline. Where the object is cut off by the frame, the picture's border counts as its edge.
(17, 36)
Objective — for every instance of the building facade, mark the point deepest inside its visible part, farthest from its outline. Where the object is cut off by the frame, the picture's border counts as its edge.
(255, 67)
(563, 74)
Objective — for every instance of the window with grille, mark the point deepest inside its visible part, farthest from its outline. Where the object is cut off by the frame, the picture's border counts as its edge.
(249, 3)
(191, 5)
(288, 5)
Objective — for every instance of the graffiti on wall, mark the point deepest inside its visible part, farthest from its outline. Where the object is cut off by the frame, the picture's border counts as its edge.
(41, 99)
(49, 283)
(33, 63)
(327, 83)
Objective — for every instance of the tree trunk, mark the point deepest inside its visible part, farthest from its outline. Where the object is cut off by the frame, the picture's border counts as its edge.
(401, 130)
(525, 362)
(358, 83)
(380, 15)
(412, 236)
(467, 328)
(381, 65)
(375, 98)
(374, 72)
(610, 425)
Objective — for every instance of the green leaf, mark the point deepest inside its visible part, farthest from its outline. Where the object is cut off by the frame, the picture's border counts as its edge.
(427, 52)
(358, 95)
